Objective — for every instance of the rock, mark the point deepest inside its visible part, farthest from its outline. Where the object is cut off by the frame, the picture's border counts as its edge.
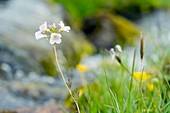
(3, 3)
(13, 59)
(156, 28)
(28, 92)
(9, 101)
(42, 109)
(156, 35)
(100, 31)
(21, 49)
(17, 36)
(107, 29)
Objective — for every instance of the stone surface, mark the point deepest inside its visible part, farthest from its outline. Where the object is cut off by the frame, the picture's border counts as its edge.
(23, 81)
(44, 109)
(52, 108)
(19, 23)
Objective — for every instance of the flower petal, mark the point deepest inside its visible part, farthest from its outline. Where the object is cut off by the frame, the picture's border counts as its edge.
(61, 24)
(58, 40)
(66, 28)
(55, 38)
(141, 76)
(39, 35)
(112, 53)
(118, 48)
(43, 27)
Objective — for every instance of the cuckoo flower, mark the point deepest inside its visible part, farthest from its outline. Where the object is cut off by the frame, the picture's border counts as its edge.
(63, 27)
(55, 38)
(53, 35)
(51, 32)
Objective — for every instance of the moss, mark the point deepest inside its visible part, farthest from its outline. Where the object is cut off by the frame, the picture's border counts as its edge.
(48, 66)
(125, 30)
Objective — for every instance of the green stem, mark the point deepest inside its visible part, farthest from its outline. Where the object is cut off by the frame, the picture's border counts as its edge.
(131, 81)
(65, 83)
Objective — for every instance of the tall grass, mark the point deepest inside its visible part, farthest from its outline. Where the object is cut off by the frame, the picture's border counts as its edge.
(117, 91)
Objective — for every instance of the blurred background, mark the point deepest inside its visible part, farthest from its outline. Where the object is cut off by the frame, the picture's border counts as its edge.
(28, 76)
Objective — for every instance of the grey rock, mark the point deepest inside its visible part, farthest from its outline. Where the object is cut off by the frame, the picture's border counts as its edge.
(156, 31)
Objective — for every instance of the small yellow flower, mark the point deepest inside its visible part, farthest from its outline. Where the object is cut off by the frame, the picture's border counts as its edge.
(150, 86)
(82, 68)
(141, 75)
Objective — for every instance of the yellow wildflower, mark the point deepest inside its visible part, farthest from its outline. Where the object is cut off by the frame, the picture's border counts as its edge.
(141, 75)
(150, 86)
(81, 68)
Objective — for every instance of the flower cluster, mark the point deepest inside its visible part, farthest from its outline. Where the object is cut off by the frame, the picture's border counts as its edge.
(116, 54)
(51, 32)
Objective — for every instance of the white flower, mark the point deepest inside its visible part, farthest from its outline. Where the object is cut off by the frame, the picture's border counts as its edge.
(112, 53)
(39, 35)
(51, 32)
(116, 54)
(63, 28)
(55, 38)
(43, 27)
(118, 49)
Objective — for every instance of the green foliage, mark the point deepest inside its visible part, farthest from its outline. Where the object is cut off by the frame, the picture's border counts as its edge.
(80, 9)
(112, 96)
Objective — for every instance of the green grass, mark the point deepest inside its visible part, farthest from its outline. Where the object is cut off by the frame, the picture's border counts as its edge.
(116, 91)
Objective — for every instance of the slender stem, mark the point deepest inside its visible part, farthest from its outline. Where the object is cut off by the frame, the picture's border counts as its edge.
(62, 75)
(131, 81)
(125, 68)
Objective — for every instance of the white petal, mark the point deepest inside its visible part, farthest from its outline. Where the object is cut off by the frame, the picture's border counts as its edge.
(43, 27)
(38, 35)
(53, 34)
(66, 28)
(118, 48)
(55, 38)
(58, 40)
(52, 40)
(54, 25)
(56, 34)
(112, 53)
(59, 35)
(61, 24)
